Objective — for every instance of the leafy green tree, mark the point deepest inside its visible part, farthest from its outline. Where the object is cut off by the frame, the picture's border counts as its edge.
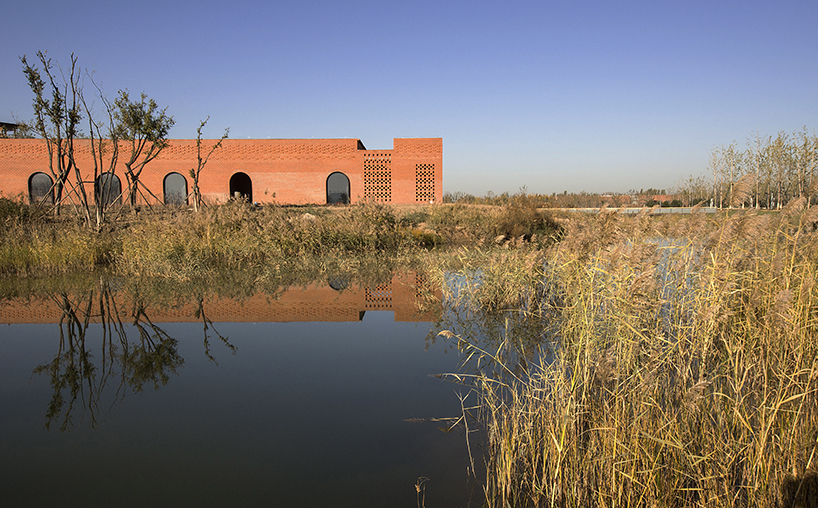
(145, 127)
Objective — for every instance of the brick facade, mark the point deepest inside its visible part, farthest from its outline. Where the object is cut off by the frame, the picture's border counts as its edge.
(285, 171)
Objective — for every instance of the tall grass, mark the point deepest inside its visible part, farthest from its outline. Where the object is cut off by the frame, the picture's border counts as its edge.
(238, 236)
(179, 244)
(176, 243)
(28, 249)
(516, 223)
(685, 371)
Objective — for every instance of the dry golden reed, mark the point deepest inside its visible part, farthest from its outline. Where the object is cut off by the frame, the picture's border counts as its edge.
(178, 243)
(684, 372)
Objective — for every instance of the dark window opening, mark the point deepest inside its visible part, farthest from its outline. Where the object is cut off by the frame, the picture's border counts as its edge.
(108, 189)
(40, 189)
(241, 187)
(175, 188)
(337, 189)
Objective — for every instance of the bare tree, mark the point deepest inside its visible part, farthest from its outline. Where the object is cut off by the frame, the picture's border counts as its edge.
(715, 165)
(693, 190)
(194, 173)
(22, 129)
(780, 159)
(57, 114)
(105, 154)
(732, 168)
(59, 106)
(805, 157)
(757, 157)
(782, 169)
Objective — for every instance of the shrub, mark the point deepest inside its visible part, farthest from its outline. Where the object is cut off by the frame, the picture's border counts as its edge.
(13, 211)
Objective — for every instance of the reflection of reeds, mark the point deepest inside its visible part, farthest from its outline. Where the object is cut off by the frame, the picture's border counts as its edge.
(420, 487)
(685, 373)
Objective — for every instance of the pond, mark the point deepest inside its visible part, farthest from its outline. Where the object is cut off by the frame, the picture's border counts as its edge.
(319, 396)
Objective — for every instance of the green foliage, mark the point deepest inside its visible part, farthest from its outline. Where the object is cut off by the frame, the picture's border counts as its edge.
(521, 219)
(43, 247)
(414, 218)
(141, 120)
(146, 128)
(239, 235)
(57, 119)
(459, 222)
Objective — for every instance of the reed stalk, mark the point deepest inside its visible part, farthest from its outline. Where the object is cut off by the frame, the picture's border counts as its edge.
(683, 368)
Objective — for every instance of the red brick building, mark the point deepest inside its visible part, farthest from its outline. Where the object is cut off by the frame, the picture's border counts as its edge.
(285, 171)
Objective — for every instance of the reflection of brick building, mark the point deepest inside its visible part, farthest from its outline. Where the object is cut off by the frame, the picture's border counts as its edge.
(294, 171)
(316, 302)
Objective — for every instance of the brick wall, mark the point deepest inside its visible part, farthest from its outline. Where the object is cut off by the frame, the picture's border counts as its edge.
(285, 171)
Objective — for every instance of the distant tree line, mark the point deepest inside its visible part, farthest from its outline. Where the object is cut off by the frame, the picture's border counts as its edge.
(556, 200)
(768, 173)
(649, 197)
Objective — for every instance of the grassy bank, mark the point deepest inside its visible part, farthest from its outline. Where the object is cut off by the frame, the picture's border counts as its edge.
(684, 366)
(178, 243)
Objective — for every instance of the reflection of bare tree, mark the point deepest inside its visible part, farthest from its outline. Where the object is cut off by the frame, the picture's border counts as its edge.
(72, 373)
(149, 358)
(75, 377)
(155, 355)
(208, 325)
(71, 369)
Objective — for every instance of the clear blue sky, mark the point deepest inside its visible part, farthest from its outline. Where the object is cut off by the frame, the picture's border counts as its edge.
(571, 95)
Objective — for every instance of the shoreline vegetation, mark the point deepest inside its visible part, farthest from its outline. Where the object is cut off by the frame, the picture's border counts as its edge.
(178, 243)
(680, 367)
(615, 360)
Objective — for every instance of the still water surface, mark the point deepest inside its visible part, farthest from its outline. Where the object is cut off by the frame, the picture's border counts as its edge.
(276, 414)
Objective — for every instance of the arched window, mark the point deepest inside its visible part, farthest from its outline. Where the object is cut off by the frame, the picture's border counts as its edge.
(108, 189)
(241, 187)
(175, 188)
(40, 189)
(337, 189)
